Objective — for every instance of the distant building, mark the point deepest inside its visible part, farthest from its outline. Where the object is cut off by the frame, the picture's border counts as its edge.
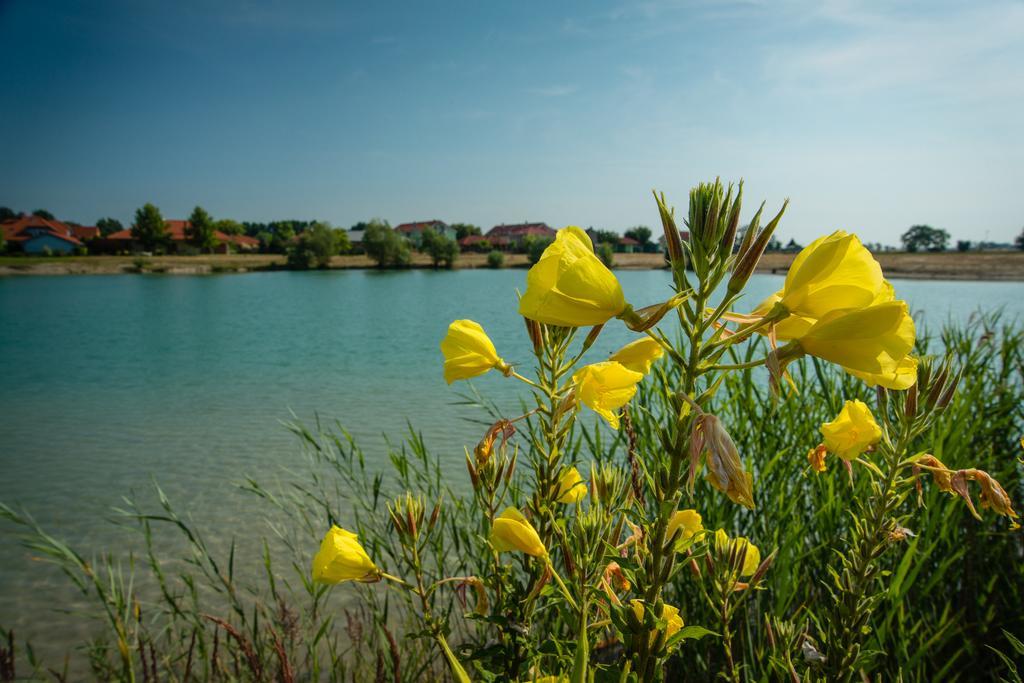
(627, 245)
(482, 243)
(35, 235)
(414, 231)
(177, 237)
(513, 235)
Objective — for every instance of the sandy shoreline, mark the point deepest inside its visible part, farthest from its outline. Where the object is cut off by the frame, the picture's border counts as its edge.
(998, 266)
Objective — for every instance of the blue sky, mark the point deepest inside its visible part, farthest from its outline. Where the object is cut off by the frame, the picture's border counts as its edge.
(870, 117)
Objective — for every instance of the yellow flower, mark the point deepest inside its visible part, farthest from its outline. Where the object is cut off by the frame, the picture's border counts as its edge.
(569, 286)
(903, 376)
(512, 531)
(751, 560)
(571, 488)
(689, 521)
(639, 355)
(606, 387)
(872, 341)
(669, 613)
(832, 273)
(853, 431)
(341, 558)
(468, 352)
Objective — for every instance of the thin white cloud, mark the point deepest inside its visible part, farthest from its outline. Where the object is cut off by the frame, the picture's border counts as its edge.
(970, 53)
(554, 90)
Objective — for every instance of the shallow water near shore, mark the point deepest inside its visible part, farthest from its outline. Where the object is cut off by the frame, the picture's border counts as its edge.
(110, 382)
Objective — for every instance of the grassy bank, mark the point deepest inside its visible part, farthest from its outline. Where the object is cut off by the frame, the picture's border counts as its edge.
(923, 266)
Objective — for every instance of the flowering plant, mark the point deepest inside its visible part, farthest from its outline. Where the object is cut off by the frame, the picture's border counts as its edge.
(576, 569)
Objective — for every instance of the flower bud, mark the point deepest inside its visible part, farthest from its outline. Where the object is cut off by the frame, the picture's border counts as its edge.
(645, 318)
(673, 241)
(724, 469)
(533, 330)
(746, 262)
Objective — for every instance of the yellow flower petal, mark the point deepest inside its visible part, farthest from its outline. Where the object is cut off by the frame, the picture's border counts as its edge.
(571, 488)
(689, 521)
(639, 355)
(872, 341)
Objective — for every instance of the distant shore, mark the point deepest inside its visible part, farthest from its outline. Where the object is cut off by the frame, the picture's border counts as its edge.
(920, 266)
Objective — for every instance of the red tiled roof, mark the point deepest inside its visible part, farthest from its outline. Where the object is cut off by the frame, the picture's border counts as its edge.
(628, 241)
(520, 230)
(17, 229)
(418, 226)
(177, 231)
(85, 232)
(240, 240)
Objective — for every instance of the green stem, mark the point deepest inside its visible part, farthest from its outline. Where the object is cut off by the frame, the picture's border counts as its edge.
(852, 608)
(562, 586)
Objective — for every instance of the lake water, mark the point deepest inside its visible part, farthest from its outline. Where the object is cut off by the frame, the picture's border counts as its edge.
(107, 382)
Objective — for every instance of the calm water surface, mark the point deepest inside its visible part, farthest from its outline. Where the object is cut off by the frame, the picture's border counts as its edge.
(107, 382)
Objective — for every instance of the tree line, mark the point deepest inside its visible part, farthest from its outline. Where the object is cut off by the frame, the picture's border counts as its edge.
(312, 243)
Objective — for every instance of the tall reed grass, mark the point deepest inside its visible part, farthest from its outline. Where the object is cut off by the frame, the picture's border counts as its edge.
(950, 611)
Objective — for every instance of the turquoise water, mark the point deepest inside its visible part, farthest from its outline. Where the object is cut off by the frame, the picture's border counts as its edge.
(107, 382)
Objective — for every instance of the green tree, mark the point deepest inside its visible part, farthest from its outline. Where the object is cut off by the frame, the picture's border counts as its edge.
(265, 237)
(3, 244)
(149, 229)
(108, 226)
(793, 245)
(1020, 239)
(7, 213)
(465, 230)
(342, 243)
(43, 213)
(229, 227)
(605, 236)
(200, 230)
(284, 237)
(774, 244)
(925, 238)
(385, 246)
(606, 252)
(641, 233)
(963, 245)
(442, 250)
(535, 247)
(314, 248)
(495, 259)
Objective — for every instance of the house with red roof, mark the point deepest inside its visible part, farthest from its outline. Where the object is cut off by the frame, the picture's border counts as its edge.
(178, 240)
(35, 235)
(512, 236)
(414, 231)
